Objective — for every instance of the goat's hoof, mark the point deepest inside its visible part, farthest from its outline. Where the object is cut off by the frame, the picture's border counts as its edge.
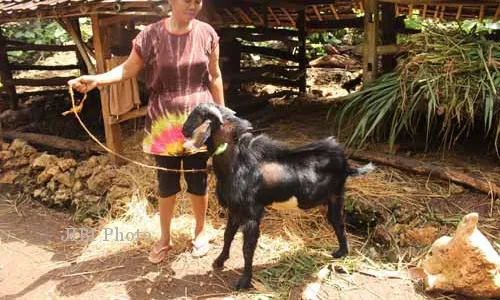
(340, 253)
(243, 283)
(218, 263)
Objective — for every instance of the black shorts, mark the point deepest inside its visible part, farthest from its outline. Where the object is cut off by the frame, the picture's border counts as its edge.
(169, 182)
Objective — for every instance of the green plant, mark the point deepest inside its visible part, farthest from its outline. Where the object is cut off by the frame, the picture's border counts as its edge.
(33, 32)
(448, 82)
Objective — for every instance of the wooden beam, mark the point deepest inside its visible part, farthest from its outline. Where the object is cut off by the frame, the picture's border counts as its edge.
(370, 59)
(334, 11)
(102, 52)
(270, 52)
(23, 67)
(105, 22)
(274, 16)
(43, 92)
(244, 15)
(261, 20)
(388, 27)
(55, 142)
(335, 24)
(441, 2)
(410, 10)
(459, 12)
(441, 16)
(32, 47)
(285, 33)
(285, 11)
(424, 12)
(6, 74)
(81, 58)
(54, 81)
(230, 14)
(301, 22)
(436, 12)
(316, 11)
(497, 14)
(481, 13)
(383, 49)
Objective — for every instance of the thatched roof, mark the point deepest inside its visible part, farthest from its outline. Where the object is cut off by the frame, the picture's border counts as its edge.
(282, 13)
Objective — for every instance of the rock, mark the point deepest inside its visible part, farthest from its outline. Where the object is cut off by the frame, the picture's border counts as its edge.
(44, 161)
(40, 193)
(78, 186)
(5, 155)
(419, 237)
(66, 164)
(465, 264)
(9, 177)
(17, 145)
(27, 151)
(47, 174)
(83, 171)
(5, 146)
(64, 178)
(62, 195)
(16, 162)
(91, 198)
(95, 161)
(101, 182)
(52, 185)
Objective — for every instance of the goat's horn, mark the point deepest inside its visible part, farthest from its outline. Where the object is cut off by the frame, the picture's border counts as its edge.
(216, 112)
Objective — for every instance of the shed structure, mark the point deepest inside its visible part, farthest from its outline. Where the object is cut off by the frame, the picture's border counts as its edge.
(252, 20)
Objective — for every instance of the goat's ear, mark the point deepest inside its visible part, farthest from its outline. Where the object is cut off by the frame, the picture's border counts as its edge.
(215, 112)
(227, 110)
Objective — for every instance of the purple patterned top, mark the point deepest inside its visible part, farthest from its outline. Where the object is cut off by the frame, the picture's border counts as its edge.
(177, 75)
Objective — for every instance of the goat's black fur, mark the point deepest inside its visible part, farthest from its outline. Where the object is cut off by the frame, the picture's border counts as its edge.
(314, 173)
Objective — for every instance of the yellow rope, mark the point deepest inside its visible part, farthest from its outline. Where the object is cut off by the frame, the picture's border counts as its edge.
(77, 108)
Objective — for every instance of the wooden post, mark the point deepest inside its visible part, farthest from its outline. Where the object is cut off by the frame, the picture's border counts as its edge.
(370, 48)
(301, 24)
(102, 52)
(6, 74)
(388, 34)
(81, 62)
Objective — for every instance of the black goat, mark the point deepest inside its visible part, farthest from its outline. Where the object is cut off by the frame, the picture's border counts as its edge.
(255, 171)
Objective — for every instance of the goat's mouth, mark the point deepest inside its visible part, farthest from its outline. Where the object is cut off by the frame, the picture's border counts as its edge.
(191, 145)
(198, 137)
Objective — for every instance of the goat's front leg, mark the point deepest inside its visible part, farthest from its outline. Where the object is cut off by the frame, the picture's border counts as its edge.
(230, 231)
(336, 218)
(251, 235)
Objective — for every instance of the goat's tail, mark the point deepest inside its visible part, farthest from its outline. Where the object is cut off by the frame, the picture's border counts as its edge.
(361, 170)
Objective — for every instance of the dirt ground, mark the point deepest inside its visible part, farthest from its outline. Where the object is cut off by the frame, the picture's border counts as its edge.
(35, 264)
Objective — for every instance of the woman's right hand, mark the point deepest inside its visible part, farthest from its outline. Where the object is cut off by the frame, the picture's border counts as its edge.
(84, 84)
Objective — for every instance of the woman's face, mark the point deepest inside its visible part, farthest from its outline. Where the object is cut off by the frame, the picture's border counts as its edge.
(185, 10)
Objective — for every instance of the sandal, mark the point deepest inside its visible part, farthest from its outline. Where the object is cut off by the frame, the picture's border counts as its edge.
(201, 248)
(157, 256)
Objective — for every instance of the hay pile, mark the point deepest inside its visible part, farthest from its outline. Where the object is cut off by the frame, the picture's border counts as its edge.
(446, 84)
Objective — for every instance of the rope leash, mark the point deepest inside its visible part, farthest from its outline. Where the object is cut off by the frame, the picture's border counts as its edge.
(76, 110)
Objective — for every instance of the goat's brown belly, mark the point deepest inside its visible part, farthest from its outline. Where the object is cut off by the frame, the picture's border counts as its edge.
(290, 204)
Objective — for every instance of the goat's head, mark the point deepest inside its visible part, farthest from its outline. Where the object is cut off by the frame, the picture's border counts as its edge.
(204, 122)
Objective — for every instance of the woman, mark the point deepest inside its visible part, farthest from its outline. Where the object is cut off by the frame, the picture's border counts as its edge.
(180, 59)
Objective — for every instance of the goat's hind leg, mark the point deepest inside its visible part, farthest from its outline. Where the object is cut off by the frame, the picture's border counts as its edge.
(335, 216)
(229, 233)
